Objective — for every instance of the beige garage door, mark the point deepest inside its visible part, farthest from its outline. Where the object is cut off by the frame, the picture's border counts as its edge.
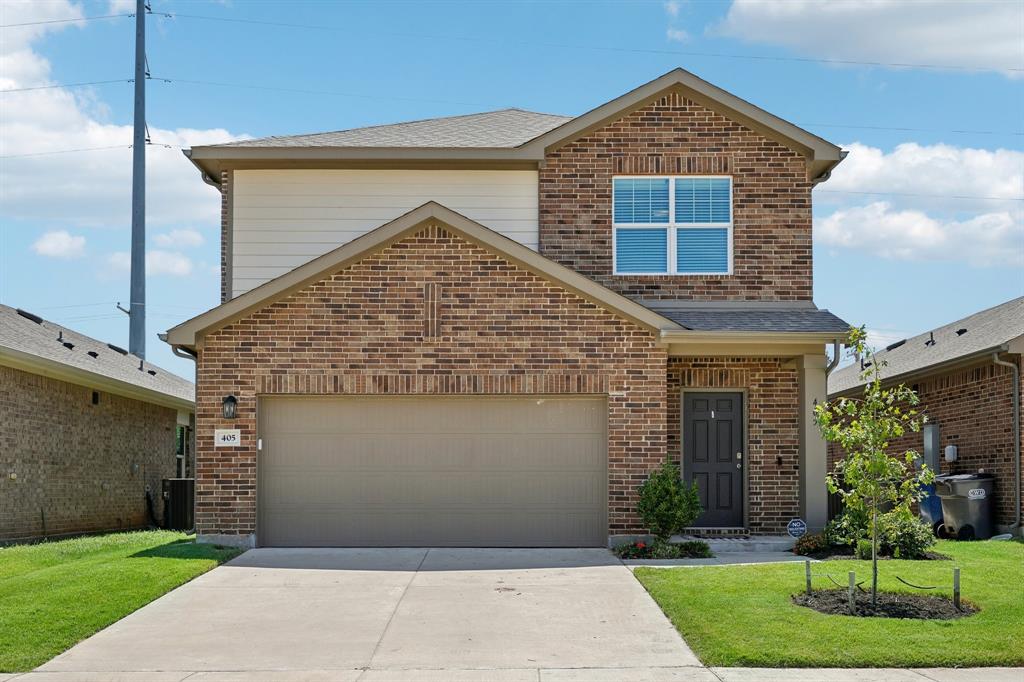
(433, 471)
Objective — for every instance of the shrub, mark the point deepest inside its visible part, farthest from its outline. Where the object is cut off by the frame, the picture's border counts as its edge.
(864, 550)
(905, 536)
(847, 528)
(811, 544)
(667, 504)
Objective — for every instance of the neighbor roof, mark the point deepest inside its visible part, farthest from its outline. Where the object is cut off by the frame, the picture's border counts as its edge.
(490, 129)
(972, 337)
(43, 347)
(511, 137)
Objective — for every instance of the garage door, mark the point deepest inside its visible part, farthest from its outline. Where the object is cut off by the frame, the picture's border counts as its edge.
(432, 471)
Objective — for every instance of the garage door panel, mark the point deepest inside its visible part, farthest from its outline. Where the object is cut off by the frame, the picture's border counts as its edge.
(433, 452)
(433, 471)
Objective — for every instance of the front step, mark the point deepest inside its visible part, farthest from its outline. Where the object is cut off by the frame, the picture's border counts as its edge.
(756, 543)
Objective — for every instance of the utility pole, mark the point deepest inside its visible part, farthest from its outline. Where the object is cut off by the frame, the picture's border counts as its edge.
(137, 304)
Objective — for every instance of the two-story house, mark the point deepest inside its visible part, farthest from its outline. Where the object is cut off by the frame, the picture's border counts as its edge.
(487, 330)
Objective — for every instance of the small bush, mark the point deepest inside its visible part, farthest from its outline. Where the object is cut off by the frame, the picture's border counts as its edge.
(863, 550)
(667, 505)
(905, 536)
(847, 528)
(659, 549)
(811, 544)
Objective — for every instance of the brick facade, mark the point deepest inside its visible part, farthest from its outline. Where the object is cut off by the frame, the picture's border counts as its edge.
(492, 327)
(771, 395)
(973, 408)
(674, 135)
(78, 467)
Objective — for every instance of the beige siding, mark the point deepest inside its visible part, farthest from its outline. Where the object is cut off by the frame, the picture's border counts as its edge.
(284, 218)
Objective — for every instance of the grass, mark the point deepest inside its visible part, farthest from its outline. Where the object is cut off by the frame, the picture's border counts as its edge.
(55, 594)
(743, 615)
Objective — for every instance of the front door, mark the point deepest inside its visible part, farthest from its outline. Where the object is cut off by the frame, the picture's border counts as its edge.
(714, 456)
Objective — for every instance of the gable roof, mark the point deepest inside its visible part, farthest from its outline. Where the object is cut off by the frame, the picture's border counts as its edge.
(509, 137)
(983, 333)
(491, 129)
(190, 332)
(43, 347)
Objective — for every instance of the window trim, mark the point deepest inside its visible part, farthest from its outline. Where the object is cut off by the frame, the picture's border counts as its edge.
(672, 227)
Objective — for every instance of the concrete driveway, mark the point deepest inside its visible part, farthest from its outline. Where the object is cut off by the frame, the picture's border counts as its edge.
(394, 614)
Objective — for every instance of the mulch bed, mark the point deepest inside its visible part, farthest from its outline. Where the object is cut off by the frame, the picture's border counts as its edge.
(890, 605)
(847, 553)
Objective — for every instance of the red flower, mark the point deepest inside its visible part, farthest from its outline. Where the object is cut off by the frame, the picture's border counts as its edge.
(640, 545)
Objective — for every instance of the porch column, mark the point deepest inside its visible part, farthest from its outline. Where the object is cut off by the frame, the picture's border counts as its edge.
(813, 453)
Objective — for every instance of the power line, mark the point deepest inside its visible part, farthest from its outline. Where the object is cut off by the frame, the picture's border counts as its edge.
(601, 48)
(254, 86)
(313, 92)
(66, 21)
(66, 151)
(68, 85)
(912, 194)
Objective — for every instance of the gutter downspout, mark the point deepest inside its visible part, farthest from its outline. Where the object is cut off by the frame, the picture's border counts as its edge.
(835, 358)
(1016, 434)
(177, 350)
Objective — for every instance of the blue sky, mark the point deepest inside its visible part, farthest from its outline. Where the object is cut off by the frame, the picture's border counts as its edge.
(917, 227)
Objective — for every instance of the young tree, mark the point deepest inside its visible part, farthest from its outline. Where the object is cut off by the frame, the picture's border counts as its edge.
(868, 478)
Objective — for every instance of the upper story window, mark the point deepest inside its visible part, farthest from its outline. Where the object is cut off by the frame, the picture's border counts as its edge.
(672, 225)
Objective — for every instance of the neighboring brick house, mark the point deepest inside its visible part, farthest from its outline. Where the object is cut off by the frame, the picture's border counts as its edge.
(489, 329)
(960, 372)
(87, 430)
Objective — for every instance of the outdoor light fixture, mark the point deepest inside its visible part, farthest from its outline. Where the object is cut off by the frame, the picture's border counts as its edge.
(229, 407)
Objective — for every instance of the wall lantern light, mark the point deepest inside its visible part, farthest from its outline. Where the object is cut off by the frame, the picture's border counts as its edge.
(229, 407)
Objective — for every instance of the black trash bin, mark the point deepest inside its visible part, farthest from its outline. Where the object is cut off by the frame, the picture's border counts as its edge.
(966, 505)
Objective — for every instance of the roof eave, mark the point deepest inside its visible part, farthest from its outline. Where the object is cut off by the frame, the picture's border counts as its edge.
(35, 364)
(766, 337)
(953, 363)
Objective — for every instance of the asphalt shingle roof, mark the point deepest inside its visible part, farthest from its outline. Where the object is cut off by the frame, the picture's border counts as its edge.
(755, 319)
(48, 340)
(504, 128)
(981, 331)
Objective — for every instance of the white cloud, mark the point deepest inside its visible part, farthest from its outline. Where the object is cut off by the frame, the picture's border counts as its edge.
(942, 203)
(60, 244)
(677, 35)
(932, 169)
(157, 263)
(983, 34)
(95, 186)
(989, 239)
(672, 8)
(180, 239)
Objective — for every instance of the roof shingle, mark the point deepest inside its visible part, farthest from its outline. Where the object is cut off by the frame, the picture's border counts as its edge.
(49, 341)
(980, 332)
(504, 128)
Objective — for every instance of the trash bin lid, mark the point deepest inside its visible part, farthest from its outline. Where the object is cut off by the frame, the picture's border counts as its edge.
(964, 477)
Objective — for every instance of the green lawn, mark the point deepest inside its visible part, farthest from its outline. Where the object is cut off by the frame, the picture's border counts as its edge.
(55, 594)
(743, 616)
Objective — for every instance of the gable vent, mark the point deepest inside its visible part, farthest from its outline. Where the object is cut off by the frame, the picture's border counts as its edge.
(29, 316)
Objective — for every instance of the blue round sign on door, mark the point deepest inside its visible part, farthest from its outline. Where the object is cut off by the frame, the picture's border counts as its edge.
(796, 528)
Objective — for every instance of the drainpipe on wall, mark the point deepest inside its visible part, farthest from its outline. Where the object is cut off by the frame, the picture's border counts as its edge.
(835, 358)
(1016, 435)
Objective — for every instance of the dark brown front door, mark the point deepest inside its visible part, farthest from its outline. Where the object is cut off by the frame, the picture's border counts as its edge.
(714, 456)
